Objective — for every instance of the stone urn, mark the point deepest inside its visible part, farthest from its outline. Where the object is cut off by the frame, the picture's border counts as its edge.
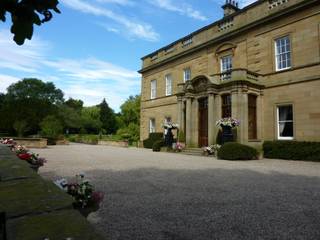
(227, 135)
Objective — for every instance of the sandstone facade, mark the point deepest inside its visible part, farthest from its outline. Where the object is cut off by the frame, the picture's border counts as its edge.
(260, 64)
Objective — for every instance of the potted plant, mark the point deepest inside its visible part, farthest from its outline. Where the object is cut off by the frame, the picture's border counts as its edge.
(227, 124)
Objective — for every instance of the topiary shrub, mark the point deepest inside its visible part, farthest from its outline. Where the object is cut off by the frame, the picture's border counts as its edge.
(157, 145)
(237, 151)
(153, 137)
(292, 150)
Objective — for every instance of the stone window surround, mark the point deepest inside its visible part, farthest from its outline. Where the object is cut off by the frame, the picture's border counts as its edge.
(277, 134)
(152, 125)
(274, 44)
(153, 89)
(169, 84)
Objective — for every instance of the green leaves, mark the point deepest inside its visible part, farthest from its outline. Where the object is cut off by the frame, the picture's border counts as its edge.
(25, 14)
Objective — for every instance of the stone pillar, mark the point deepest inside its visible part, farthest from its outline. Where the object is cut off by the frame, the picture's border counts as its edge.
(244, 114)
(189, 121)
(211, 120)
(240, 112)
(180, 112)
(195, 123)
(217, 115)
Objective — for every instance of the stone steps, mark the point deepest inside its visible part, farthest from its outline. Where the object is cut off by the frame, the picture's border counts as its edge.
(193, 151)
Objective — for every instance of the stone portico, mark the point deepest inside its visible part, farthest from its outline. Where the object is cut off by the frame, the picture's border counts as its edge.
(199, 125)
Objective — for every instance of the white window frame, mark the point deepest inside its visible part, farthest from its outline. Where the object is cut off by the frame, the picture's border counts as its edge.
(224, 66)
(152, 125)
(278, 122)
(186, 74)
(283, 54)
(153, 89)
(169, 81)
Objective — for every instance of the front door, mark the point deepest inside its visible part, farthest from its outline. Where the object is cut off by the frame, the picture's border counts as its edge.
(252, 117)
(203, 122)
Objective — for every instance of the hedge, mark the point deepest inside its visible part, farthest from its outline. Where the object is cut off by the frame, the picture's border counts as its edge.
(153, 137)
(237, 151)
(157, 146)
(292, 150)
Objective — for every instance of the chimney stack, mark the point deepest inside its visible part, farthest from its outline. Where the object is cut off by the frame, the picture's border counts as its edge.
(231, 6)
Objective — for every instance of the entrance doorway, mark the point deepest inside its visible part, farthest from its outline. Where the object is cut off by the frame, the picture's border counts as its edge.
(203, 122)
(252, 117)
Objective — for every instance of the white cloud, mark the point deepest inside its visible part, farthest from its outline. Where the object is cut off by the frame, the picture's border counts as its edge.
(120, 2)
(244, 3)
(183, 9)
(23, 58)
(89, 79)
(133, 28)
(6, 81)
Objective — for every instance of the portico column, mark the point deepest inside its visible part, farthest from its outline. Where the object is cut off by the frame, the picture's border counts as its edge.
(195, 123)
(211, 122)
(217, 115)
(180, 110)
(189, 121)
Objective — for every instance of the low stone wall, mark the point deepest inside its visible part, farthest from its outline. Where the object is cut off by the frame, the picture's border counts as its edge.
(32, 142)
(36, 208)
(114, 143)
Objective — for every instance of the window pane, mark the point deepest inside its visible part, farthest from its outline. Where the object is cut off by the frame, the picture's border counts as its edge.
(285, 113)
(286, 129)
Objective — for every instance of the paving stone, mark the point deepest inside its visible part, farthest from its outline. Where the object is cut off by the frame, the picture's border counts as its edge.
(28, 196)
(58, 225)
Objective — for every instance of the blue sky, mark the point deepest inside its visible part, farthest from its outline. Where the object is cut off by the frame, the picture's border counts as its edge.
(92, 49)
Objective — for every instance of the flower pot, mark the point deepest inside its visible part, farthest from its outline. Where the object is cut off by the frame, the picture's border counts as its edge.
(34, 167)
(86, 210)
(227, 135)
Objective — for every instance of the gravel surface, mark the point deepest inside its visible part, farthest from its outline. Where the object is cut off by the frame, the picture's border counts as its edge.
(163, 196)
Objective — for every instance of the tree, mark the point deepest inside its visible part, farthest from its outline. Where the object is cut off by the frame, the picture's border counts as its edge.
(30, 100)
(51, 127)
(26, 13)
(130, 110)
(90, 119)
(107, 118)
(75, 104)
(129, 119)
(69, 117)
(32, 88)
(20, 126)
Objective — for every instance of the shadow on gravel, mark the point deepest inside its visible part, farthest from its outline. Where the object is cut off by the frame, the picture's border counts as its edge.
(155, 204)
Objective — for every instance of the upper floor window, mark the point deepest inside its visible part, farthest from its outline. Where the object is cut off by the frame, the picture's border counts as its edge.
(168, 85)
(226, 67)
(283, 53)
(186, 74)
(152, 125)
(153, 89)
(285, 122)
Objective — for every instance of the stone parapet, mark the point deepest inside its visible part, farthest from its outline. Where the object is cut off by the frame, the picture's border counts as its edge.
(35, 208)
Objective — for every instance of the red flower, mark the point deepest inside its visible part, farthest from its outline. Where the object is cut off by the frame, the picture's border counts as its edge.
(24, 156)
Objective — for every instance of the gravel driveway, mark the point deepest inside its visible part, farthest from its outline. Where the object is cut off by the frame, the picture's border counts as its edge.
(163, 196)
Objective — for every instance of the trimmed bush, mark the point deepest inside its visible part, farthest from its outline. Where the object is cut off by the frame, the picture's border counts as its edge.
(153, 137)
(157, 146)
(292, 150)
(237, 151)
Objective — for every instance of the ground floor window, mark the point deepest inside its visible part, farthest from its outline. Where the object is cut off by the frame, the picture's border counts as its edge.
(285, 122)
(152, 125)
(226, 106)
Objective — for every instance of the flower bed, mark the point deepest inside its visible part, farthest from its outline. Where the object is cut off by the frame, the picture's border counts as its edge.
(24, 154)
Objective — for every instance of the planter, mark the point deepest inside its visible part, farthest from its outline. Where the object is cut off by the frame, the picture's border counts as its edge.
(35, 167)
(86, 210)
(227, 135)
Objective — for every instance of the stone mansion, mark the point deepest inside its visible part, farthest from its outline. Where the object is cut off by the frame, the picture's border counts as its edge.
(259, 64)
